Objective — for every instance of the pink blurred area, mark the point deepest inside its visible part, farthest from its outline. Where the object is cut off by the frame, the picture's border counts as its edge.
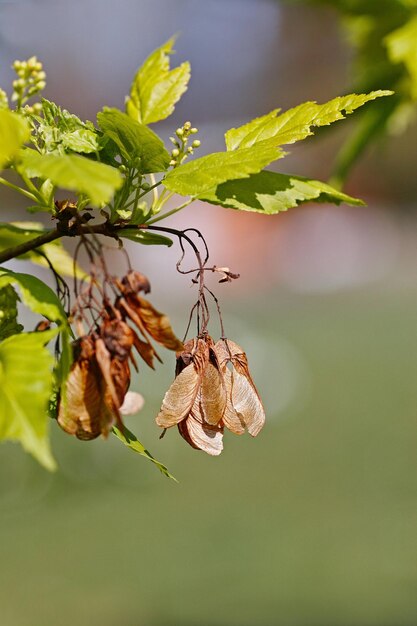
(247, 57)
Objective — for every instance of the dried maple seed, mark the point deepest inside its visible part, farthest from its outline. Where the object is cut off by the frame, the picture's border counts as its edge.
(243, 397)
(118, 337)
(83, 411)
(134, 282)
(196, 400)
(156, 324)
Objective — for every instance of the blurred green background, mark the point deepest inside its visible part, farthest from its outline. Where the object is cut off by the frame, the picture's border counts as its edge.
(314, 523)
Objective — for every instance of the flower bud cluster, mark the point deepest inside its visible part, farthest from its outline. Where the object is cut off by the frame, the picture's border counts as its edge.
(183, 146)
(4, 102)
(29, 82)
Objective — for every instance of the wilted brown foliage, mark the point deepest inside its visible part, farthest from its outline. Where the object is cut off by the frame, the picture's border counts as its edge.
(95, 392)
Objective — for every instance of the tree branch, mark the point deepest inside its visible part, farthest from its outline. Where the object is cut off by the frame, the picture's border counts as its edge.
(106, 229)
(37, 242)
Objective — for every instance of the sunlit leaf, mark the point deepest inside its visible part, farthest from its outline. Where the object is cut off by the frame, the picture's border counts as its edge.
(402, 48)
(14, 131)
(138, 144)
(297, 123)
(145, 237)
(64, 131)
(36, 295)
(201, 175)
(8, 312)
(269, 192)
(134, 444)
(25, 389)
(76, 173)
(156, 88)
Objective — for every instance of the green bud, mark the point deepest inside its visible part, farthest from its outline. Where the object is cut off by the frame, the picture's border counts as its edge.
(174, 141)
(19, 84)
(38, 66)
(41, 75)
(196, 143)
(175, 152)
(32, 63)
(190, 150)
(16, 65)
(193, 130)
(173, 162)
(187, 126)
(145, 186)
(41, 85)
(37, 107)
(3, 99)
(179, 132)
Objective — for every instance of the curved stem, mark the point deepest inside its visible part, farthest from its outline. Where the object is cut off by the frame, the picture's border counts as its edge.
(154, 189)
(28, 194)
(168, 213)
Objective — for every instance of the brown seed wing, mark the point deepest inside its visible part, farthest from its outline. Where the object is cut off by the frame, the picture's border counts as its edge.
(231, 419)
(134, 282)
(157, 324)
(179, 398)
(227, 350)
(246, 403)
(80, 413)
(146, 351)
(183, 430)
(104, 363)
(200, 435)
(204, 437)
(118, 337)
(120, 375)
(213, 395)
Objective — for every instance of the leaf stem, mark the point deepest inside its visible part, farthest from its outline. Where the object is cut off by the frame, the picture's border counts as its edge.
(32, 188)
(24, 192)
(169, 213)
(154, 188)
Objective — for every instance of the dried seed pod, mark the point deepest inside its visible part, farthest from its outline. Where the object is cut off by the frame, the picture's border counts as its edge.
(199, 434)
(231, 419)
(118, 338)
(134, 282)
(213, 395)
(197, 398)
(83, 411)
(242, 393)
(151, 321)
(179, 398)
